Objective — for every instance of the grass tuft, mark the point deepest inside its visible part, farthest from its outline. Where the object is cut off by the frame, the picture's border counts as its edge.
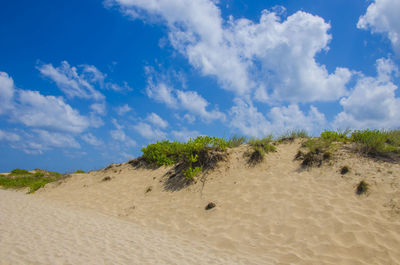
(79, 171)
(260, 148)
(344, 170)
(236, 141)
(193, 156)
(290, 136)
(21, 178)
(362, 187)
(376, 142)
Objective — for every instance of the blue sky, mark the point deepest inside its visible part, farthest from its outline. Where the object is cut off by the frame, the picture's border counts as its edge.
(87, 83)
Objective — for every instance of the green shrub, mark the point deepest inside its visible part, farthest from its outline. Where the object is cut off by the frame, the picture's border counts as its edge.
(169, 153)
(260, 148)
(335, 136)
(17, 171)
(376, 142)
(292, 135)
(318, 150)
(236, 141)
(79, 171)
(362, 187)
(33, 183)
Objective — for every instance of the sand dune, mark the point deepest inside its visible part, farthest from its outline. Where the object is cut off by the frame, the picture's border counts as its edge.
(273, 213)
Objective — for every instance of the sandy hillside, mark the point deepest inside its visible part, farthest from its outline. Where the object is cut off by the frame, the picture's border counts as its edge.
(273, 213)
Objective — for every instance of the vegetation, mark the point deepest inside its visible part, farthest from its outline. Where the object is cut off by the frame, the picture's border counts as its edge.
(236, 141)
(362, 187)
(192, 155)
(79, 171)
(344, 170)
(376, 142)
(292, 135)
(335, 136)
(21, 178)
(260, 148)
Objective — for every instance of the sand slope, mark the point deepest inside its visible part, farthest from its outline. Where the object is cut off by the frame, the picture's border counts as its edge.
(36, 231)
(274, 213)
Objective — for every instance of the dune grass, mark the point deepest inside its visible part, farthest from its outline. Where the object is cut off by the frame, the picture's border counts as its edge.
(377, 142)
(192, 155)
(79, 171)
(21, 178)
(260, 147)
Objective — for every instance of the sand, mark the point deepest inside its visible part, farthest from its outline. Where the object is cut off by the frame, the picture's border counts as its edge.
(273, 213)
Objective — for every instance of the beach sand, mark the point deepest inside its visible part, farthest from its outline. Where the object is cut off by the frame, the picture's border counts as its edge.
(273, 213)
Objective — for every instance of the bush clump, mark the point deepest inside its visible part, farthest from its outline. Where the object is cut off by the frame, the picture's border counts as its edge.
(362, 187)
(79, 171)
(260, 147)
(318, 150)
(192, 155)
(21, 178)
(236, 141)
(376, 142)
(290, 136)
(335, 136)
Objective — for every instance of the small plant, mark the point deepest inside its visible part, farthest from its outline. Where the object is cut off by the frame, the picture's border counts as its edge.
(192, 154)
(375, 142)
(344, 170)
(21, 178)
(236, 141)
(362, 187)
(18, 171)
(292, 135)
(318, 150)
(79, 171)
(260, 148)
(335, 136)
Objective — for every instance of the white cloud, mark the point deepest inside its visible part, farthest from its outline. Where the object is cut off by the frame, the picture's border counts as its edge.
(179, 99)
(196, 104)
(6, 92)
(122, 110)
(91, 139)
(55, 139)
(148, 132)
(9, 136)
(372, 103)
(246, 118)
(119, 135)
(99, 108)
(382, 16)
(157, 120)
(184, 134)
(70, 82)
(37, 141)
(161, 92)
(270, 58)
(48, 112)
(290, 118)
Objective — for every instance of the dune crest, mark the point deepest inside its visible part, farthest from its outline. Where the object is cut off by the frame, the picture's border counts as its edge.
(276, 212)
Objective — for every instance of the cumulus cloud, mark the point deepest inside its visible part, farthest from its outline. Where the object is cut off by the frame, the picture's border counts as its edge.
(80, 81)
(6, 92)
(184, 134)
(248, 120)
(37, 141)
(70, 82)
(382, 17)
(92, 140)
(99, 108)
(9, 136)
(149, 132)
(122, 110)
(119, 135)
(373, 102)
(157, 121)
(48, 112)
(271, 59)
(191, 101)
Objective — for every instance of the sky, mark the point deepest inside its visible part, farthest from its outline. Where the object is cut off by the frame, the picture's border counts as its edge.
(87, 83)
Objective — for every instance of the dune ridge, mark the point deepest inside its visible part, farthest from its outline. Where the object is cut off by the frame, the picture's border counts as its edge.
(273, 213)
